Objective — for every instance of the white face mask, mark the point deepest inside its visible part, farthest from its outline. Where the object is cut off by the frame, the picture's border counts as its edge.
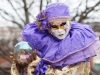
(60, 31)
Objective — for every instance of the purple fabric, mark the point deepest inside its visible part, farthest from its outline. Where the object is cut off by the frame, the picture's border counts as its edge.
(41, 68)
(80, 55)
(78, 43)
(43, 20)
(52, 12)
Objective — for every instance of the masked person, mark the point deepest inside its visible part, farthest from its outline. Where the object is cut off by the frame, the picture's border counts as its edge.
(64, 46)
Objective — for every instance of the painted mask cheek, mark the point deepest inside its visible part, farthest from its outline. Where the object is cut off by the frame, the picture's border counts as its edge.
(65, 27)
(62, 27)
(53, 31)
(56, 32)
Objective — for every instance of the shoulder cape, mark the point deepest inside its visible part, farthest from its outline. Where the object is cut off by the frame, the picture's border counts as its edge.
(80, 44)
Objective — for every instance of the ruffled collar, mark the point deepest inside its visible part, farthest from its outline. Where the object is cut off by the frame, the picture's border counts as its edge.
(51, 49)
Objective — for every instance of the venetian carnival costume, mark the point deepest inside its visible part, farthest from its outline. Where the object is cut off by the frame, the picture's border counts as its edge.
(65, 53)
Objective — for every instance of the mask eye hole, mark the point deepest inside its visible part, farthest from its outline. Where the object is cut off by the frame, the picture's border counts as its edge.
(53, 26)
(62, 24)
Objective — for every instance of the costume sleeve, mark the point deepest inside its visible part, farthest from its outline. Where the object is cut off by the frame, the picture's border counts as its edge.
(28, 34)
(35, 38)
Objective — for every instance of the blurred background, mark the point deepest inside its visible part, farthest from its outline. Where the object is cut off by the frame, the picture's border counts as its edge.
(15, 14)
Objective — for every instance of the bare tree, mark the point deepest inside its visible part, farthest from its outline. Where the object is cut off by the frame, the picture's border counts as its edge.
(84, 15)
(41, 4)
(22, 12)
(20, 18)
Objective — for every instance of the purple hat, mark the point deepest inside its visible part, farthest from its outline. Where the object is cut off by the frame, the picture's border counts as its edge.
(57, 10)
(53, 11)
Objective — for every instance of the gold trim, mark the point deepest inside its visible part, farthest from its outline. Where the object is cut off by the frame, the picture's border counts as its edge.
(60, 19)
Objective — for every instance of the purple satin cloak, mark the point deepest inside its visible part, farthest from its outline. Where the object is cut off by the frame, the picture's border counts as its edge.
(80, 44)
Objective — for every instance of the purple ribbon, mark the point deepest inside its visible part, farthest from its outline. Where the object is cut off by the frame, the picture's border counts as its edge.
(41, 68)
(43, 20)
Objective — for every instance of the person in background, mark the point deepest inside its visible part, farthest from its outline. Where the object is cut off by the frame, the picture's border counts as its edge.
(63, 46)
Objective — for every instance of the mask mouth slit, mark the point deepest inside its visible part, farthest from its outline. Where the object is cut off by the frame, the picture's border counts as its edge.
(61, 34)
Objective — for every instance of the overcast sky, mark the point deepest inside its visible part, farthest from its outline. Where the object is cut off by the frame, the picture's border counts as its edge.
(72, 4)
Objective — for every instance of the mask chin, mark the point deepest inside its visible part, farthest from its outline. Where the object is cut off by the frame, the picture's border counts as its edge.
(61, 38)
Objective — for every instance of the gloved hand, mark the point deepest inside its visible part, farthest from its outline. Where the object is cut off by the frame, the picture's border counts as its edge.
(23, 67)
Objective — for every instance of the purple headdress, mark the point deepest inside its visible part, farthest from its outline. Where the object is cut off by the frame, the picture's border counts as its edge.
(51, 13)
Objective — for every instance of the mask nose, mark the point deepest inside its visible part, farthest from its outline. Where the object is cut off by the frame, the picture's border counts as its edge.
(59, 30)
